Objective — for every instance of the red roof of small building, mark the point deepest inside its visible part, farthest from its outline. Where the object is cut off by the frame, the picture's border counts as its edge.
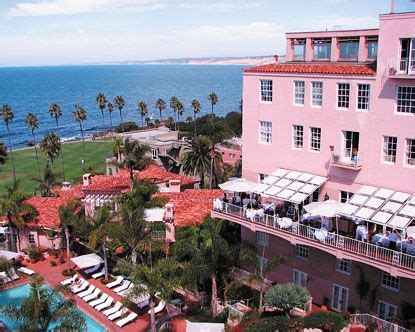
(315, 68)
(47, 208)
(157, 173)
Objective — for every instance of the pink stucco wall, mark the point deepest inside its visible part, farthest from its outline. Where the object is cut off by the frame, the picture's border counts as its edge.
(229, 155)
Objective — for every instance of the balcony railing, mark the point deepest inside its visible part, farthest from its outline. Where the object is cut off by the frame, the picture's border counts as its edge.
(250, 279)
(345, 160)
(381, 325)
(407, 66)
(332, 240)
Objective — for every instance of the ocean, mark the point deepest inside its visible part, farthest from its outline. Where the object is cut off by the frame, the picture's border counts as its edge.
(33, 89)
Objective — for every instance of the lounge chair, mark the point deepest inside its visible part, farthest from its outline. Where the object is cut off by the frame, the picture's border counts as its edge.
(81, 288)
(5, 278)
(160, 307)
(89, 291)
(118, 314)
(106, 304)
(92, 296)
(92, 269)
(123, 286)
(98, 274)
(113, 310)
(99, 301)
(13, 274)
(26, 271)
(70, 280)
(142, 300)
(116, 282)
(126, 291)
(127, 319)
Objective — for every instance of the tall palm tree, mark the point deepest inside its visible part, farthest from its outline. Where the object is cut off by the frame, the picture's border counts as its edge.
(161, 106)
(32, 123)
(110, 108)
(46, 182)
(118, 147)
(189, 120)
(180, 111)
(142, 109)
(80, 115)
(56, 112)
(196, 158)
(3, 153)
(51, 146)
(173, 106)
(102, 102)
(196, 109)
(45, 310)
(134, 158)
(213, 98)
(8, 115)
(120, 103)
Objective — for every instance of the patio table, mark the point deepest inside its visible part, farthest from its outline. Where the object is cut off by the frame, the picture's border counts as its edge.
(285, 222)
(407, 245)
(381, 240)
(217, 204)
(321, 234)
(251, 213)
(361, 232)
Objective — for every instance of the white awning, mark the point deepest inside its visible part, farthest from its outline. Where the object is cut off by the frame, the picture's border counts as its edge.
(3, 230)
(329, 208)
(86, 261)
(204, 327)
(239, 185)
(9, 255)
(154, 214)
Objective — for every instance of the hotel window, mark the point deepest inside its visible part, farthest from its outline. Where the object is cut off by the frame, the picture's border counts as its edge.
(344, 266)
(301, 252)
(261, 176)
(363, 96)
(349, 48)
(31, 239)
(316, 93)
(299, 49)
(266, 90)
(262, 239)
(343, 95)
(389, 282)
(345, 196)
(299, 90)
(298, 136)
(299, 277)
(386, 310)
(372, 47)
(410, 152)
(265, 132)
(315, 138)
(322, 49)
(405, 101)
(389, 149)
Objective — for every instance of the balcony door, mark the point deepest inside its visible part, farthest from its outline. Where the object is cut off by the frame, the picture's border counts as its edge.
(340, 298)
(350, 145)
(407, 60)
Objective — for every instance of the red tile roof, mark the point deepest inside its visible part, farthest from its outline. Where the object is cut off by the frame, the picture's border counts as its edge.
(47, 208)
(314, 68)
(154, 172)
(192, 205)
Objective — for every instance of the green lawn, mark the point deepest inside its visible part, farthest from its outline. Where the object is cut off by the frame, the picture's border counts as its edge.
(26, 168)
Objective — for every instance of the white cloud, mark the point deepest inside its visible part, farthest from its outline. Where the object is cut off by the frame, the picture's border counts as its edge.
(218, 5)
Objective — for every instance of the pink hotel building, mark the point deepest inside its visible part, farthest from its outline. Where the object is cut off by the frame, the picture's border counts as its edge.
(341, 107)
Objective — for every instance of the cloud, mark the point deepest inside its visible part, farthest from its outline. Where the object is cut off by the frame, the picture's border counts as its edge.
(218, 5)
(73, 7)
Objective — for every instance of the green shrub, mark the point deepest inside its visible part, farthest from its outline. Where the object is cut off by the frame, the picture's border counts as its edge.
(68, 273)
(52, 263)
(250, 317)
(126, 126)
(287, 296)
(34, 253)
(327, 321)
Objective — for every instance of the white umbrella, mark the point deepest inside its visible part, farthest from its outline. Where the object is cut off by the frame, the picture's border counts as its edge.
(85, 261)
(9, 255)
(329, 208)
(410, 232)
(239, 185)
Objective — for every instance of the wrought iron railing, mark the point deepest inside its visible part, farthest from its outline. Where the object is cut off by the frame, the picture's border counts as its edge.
(344, 243)
(379, 324)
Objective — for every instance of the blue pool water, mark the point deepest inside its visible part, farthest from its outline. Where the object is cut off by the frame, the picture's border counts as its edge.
(18, 294)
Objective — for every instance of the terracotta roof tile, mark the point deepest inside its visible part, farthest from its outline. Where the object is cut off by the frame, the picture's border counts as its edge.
(153, 172)
(315, 68)
(47, 207)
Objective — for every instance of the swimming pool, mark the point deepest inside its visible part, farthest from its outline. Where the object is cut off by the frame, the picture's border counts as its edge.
(18, 294)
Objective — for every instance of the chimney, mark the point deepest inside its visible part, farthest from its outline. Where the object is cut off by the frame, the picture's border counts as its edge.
(169, 214)
(174, 186)
(87, 179)
(66, 185)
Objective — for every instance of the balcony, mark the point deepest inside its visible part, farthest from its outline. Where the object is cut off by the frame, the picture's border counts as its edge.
(249, 279)
(404, 69)
(346, 161)
(394, 262)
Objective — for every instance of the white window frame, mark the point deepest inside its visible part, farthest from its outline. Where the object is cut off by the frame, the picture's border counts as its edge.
(388, 306)
(297, 136)
(409, 142)
(301, 93)
(367, 97)
(31, 238)
(386, 143)
(302, 252)
(266, 90)
(341, 289)
(410, 101)
(347, 263)
(348, 195)
(265, 137)
(262, 238)
(315, 140)
(389, 282)
(338, 96)
(299, 277)
(317, 94)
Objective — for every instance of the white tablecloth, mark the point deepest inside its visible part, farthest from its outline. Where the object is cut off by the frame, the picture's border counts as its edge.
(321, 234)
(408, 246)
(361, 232)
(284, 222)
(381, 240)
(217, 204)
(269, 206)
(251, 213)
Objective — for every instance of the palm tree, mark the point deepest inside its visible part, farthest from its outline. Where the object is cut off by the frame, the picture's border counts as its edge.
(160, 281)
(213, 98)
(51, 146)
(189, 120)
(3, 153)
(14, 207)
(32, 123)
(196, 109)
(161, 106)
(45, 184)
(56, 112)
(120, 103)
(8, 115)
(207, 254)
(68, 215)
(45, 310)
(134, 158)
(102, 102)
(6, 266)
(118, 147)
(173, 106)
(142, 108)
(180, 111)
(196, 158)
(80, 116)
(110, 108)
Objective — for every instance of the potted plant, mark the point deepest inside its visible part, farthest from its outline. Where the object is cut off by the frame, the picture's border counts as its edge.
(34, 255)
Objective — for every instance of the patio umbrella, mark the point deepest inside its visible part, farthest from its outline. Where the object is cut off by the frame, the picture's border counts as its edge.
(238, 186)
(85, 261)
(329, 208)
(9, 255)
(410, 232)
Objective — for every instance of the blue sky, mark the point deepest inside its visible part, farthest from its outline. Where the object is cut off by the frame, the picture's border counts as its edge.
(50, 32)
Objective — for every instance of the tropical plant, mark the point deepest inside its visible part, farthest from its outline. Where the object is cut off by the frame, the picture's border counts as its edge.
(102, 102)
(170, 122)
(189, 120)
(6, 266)
(120, 104)
(196, 109)
(287, 297)
(118, 147)
(69, 215)
(362, 286)
(110, 108)
(50, 146)
(213, 99)
(134, 157)
(3, 153)
(8, 116)
(142, 109)
(207, 254)
(45, 310)
(55, 111)
(148, 121)
(158, 281)
(80, 115)
(161, 106)
(180, 111)
(32, 123)
(196, 158)
(45, 183)
(18, 212)
(173, 106)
